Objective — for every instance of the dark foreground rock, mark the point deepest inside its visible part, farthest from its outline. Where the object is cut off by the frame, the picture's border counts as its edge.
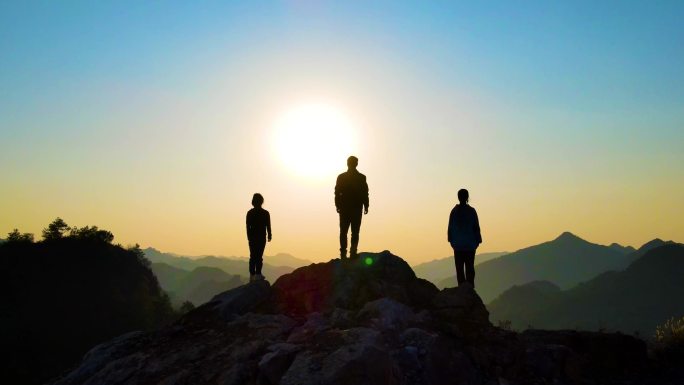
(368, 321)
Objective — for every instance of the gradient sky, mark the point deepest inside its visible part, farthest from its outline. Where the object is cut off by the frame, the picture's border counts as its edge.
(155, 119)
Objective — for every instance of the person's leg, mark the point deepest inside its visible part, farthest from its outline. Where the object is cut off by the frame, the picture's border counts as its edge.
(469, 261)
(344, 229)
(252, 260)
(460, 262)
(355, 228)
(259, 258)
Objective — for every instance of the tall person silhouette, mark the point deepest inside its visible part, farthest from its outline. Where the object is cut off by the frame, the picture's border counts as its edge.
(258, 231)
(351, 200)
(464, 236)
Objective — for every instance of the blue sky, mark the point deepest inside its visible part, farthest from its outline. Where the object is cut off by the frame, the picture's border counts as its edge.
(626, 51)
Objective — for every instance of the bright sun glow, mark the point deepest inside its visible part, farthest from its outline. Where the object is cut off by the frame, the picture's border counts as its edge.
(314, 140)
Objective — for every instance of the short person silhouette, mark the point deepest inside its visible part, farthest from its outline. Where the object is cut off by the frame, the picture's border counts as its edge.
(464, 237)
(351, 200)
(258, 231)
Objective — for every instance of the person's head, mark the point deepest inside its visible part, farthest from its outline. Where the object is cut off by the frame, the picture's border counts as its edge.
(257, 200)
(463, 196)
(352, 162)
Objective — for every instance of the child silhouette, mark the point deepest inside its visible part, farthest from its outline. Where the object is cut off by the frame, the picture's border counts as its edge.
(258, 227)
(464, 237)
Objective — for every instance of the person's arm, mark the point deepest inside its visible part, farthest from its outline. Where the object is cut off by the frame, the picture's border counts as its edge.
(451, 224)
(476, 228)
(248, 225)
(338, 193)
(365, 195)
(268, 225)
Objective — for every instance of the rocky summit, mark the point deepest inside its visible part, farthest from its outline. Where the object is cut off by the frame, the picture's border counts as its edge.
(363, 321)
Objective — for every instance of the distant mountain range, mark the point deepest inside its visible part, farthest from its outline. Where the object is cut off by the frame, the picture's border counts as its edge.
(642, 296)
(197, 286)
(622, 249)
(565, 261)
(274, 266)
(438, 270)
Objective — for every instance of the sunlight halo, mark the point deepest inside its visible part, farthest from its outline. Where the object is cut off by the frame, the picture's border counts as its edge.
(314, 140)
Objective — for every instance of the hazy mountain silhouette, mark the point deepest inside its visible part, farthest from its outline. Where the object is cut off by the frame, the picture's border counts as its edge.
(284, 259)
(171, 259)
(207, 289)
(197, 286)
(644, 295)
(438, 270)
(232, 265)
(565, 261)
(646, 247)
(168, 276)
(63, 296)
(622, 249)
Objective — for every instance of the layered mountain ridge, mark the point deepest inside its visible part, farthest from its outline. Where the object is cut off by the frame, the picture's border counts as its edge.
(566, 261)
(196, 286)
(274, 266)
(637, 299)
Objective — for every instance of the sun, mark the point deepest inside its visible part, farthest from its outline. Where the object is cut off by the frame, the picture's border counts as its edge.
(314, 139)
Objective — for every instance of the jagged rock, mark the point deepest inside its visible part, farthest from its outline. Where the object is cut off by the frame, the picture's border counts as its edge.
(351, 322)
(274, 364)
(315, 324)
(341, 318)
(242, 299)
(349, 284)
(100, 356)
(461, 312)
(269, 326)
(440, 360)
(358, 357)
(386, 313)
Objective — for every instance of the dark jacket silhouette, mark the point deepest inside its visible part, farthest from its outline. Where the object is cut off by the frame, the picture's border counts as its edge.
(464, 236)
(258, 225)
(258, 228)
(351, 198)
(351, 191)
(464, 228)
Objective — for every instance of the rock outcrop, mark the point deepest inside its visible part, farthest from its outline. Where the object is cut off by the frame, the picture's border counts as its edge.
(366, 321)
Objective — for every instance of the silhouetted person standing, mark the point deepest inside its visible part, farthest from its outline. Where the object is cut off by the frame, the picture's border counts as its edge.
(258, 231)
(351, 199)
(464, 237)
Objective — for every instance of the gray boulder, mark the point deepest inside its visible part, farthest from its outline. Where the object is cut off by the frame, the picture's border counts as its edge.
(386, 313)
(460, 312)
(242, 299)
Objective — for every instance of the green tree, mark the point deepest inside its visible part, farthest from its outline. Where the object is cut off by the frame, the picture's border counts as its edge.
(140, 254)
(92, 234)
(55, 230)
(16, 236)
